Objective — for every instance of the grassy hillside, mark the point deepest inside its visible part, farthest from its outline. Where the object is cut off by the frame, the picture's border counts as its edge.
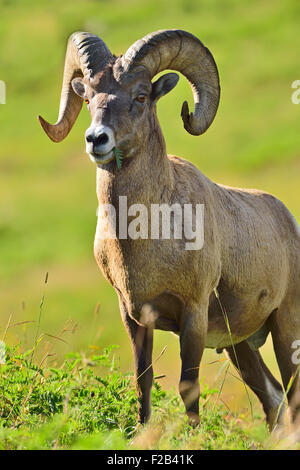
(48, 203)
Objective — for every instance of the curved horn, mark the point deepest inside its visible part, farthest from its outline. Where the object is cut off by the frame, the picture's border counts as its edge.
(86, 55)
(179, 50)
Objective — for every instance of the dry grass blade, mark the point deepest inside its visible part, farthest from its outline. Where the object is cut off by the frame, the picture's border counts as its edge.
(55, 337)
(153, 362)
(222, 385)
(22, 323)
(39, 320)
(285, 393)
(44, 358)
(232, 345)
(7, 326)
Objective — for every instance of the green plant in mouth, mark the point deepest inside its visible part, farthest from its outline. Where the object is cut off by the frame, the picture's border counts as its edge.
(119, 157)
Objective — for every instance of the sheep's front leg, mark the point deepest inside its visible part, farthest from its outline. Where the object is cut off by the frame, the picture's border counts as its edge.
(142, 345)
(192, 343)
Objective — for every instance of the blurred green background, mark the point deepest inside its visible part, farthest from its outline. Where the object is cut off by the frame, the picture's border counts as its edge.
(48, 202)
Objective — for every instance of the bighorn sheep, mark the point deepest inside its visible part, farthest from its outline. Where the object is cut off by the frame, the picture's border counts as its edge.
(249, 266)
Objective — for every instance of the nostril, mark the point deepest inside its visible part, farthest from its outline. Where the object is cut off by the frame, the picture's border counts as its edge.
(89, 138)
(102, 139)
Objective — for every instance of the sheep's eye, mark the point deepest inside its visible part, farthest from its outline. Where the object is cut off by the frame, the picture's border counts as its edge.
(141, 98)
(87, 101)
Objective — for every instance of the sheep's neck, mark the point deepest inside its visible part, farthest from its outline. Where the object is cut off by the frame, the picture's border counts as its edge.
(144, 179)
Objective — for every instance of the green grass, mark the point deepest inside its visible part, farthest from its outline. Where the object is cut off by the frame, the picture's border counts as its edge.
(48, 202)
(86, 403)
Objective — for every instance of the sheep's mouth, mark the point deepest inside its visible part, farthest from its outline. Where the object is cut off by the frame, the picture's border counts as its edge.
(102, 158)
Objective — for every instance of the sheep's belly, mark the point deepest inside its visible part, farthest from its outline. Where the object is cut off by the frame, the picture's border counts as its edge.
(218, 339)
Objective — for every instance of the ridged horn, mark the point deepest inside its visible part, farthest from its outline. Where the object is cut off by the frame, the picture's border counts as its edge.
(179, 50)
(86, 55)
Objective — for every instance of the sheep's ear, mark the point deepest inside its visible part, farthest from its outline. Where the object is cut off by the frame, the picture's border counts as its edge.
(78, 87)
(163, 85)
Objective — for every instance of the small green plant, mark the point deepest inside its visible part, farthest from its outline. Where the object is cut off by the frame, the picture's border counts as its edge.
(64, 403)
(119, 157)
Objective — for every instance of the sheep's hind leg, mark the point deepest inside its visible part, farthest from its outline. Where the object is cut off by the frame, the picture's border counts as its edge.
(285, 330)
(257, 376)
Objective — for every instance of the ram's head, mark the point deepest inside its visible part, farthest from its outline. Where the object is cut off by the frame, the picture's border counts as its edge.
(121, 96)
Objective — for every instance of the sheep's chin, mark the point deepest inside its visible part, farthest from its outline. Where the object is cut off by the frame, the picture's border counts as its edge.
(102, 159)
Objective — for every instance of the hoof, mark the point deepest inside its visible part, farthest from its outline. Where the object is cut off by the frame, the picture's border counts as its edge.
(193, 419)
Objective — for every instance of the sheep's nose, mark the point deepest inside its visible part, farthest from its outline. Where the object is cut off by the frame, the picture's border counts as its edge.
(100, 139)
